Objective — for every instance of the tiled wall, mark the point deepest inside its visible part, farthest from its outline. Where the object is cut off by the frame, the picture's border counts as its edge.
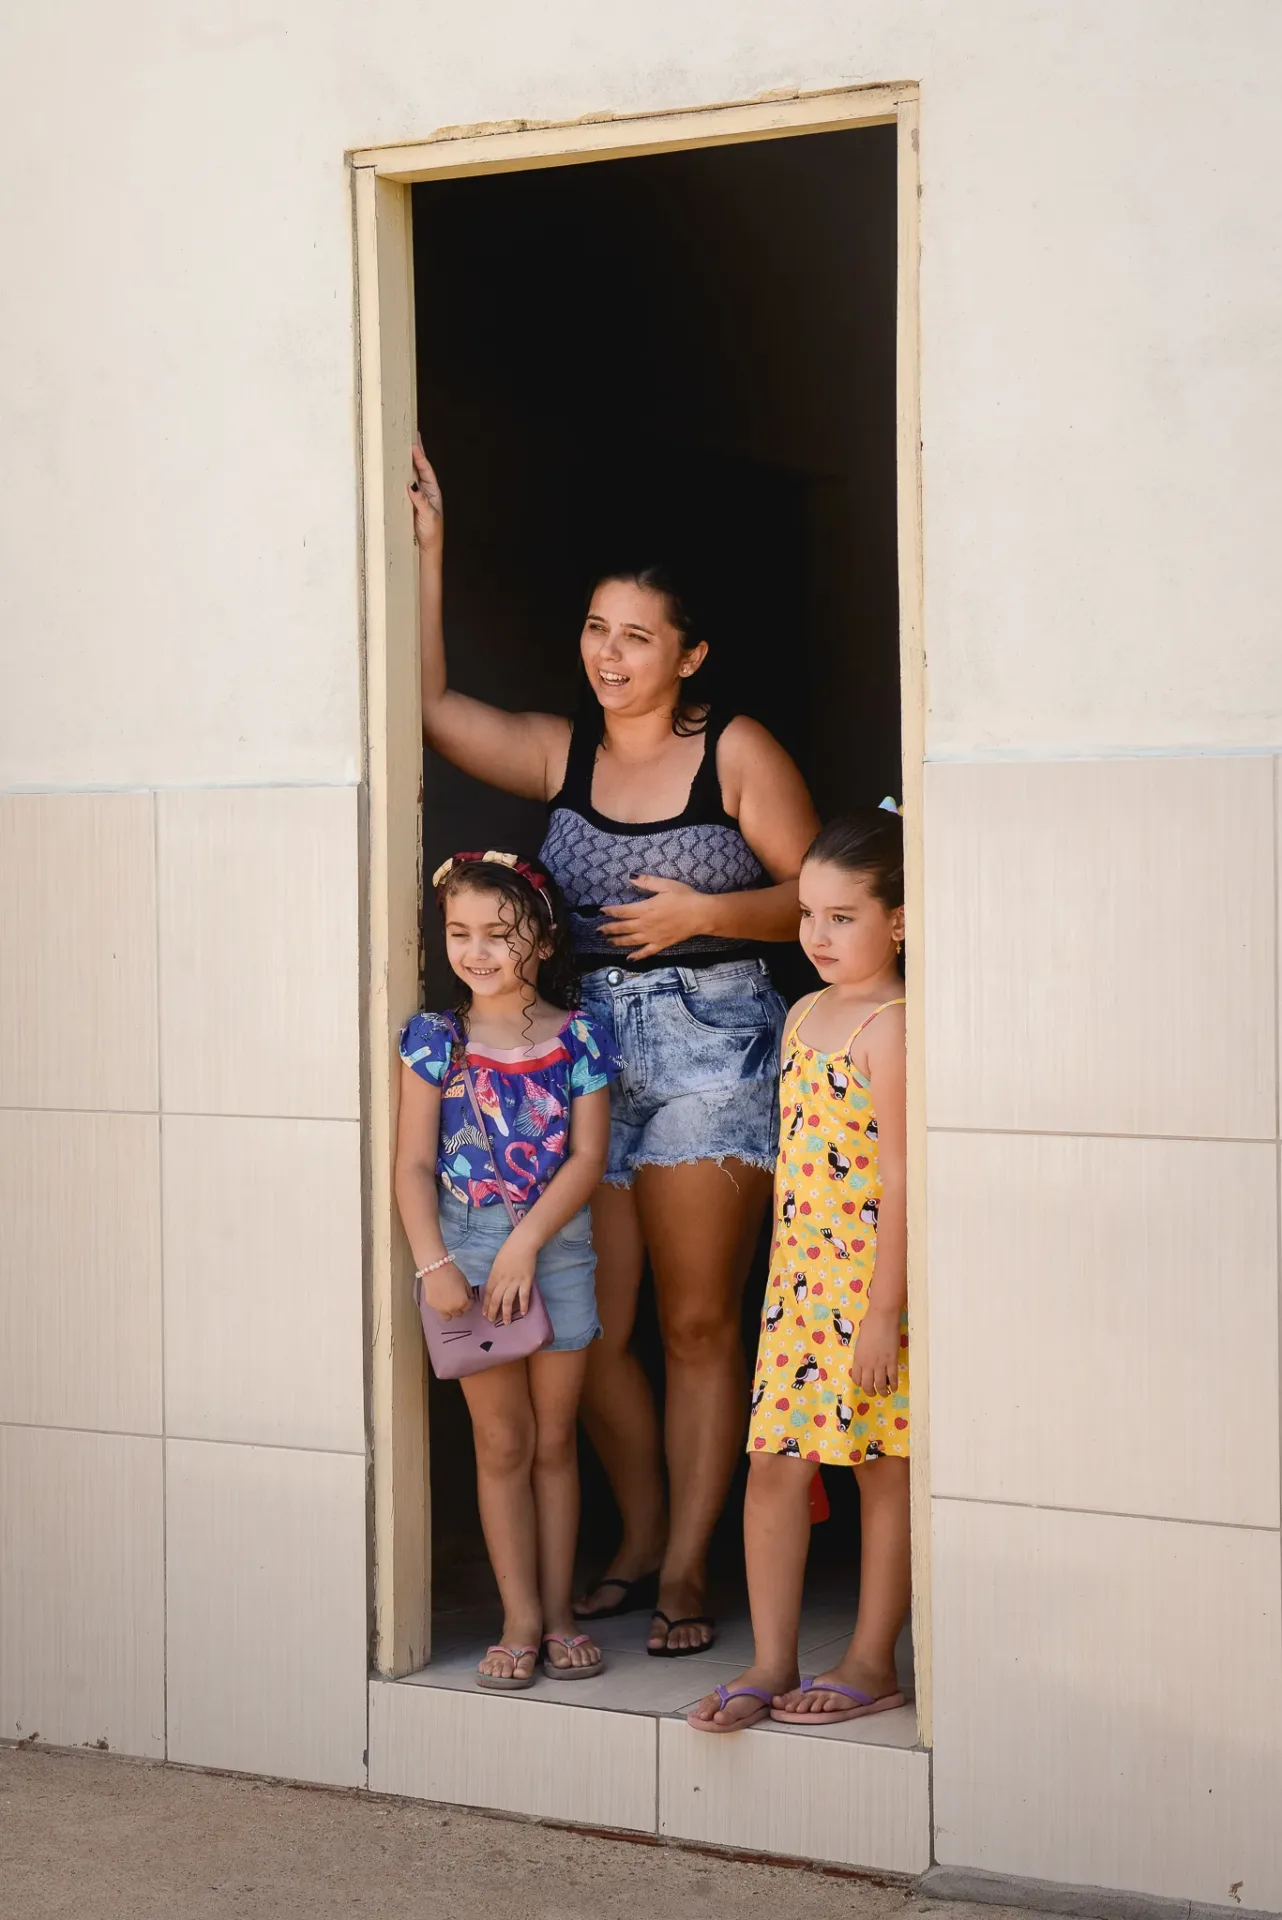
(1103, 1262)
(182, 1459)
(182, 1431)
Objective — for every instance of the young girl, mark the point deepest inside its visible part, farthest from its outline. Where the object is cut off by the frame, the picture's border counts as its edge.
(831, 1384)
(541, 1072)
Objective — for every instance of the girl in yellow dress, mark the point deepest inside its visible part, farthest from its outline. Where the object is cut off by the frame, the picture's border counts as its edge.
(831, 1384)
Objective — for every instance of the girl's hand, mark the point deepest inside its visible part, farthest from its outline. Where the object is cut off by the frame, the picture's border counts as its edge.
(875, 1359)
(447, 1292)
(675, 912)
(507, 1291)
(425, 498)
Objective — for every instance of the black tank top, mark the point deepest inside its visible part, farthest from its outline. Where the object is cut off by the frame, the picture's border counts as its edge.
(593, 858)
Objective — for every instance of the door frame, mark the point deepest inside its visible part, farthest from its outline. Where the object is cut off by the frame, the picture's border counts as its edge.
(392, 850)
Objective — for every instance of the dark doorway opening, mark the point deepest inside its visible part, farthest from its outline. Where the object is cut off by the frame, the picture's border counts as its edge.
(688, 356)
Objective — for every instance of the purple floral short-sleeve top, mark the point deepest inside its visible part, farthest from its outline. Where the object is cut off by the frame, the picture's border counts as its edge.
(525, 1097)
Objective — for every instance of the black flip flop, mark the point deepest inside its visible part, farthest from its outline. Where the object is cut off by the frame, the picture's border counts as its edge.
(688, 1620)
(636, 1597)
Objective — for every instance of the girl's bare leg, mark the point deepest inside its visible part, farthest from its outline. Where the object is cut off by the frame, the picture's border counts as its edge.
(555, 1383)
(503, 1429)
(885, 1588)
(776, 1541)
(700, 1223)
(618, 1407)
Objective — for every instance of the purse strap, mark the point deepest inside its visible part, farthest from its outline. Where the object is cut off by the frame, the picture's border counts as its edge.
(470, 1084)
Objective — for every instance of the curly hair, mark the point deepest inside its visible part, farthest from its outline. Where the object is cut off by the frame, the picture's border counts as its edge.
(530, 919)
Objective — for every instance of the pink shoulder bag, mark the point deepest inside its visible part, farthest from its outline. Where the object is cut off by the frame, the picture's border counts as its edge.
(470, 1343)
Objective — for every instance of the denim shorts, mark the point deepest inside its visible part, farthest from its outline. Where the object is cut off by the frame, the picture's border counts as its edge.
(565, 1271)
(700, 1048)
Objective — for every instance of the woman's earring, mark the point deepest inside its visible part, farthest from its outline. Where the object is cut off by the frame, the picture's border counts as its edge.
(899, 947)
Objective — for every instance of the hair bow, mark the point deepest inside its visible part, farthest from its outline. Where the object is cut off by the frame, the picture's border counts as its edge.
(492, 858)
(889, 805)
(474, 859)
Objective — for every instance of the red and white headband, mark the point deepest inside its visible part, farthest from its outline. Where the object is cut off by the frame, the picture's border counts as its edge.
(537, 880)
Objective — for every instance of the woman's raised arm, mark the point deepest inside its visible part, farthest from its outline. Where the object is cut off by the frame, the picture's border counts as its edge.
(522, 753)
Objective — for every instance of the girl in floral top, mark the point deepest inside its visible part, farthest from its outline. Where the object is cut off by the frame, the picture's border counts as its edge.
(541, 1073)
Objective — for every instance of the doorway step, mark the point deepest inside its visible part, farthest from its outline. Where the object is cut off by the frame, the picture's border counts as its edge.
(616, 1752)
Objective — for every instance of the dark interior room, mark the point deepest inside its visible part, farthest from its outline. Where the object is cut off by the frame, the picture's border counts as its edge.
(687, 357)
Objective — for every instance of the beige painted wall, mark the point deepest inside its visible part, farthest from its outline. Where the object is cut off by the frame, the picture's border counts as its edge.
(1101, 391)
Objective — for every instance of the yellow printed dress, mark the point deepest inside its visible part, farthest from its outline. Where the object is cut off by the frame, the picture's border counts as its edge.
(827, 1196)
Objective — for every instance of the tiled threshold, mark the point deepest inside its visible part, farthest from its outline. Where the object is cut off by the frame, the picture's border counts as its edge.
(616, 1752)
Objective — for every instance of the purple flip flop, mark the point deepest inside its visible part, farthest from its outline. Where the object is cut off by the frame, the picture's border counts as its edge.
(862, 1703)
(724, 1696)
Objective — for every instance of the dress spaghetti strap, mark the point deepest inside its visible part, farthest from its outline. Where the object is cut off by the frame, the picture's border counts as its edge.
(901, 1002)
(807, 1007)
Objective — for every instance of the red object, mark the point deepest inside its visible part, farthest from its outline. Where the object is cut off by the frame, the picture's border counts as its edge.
(819, 1508)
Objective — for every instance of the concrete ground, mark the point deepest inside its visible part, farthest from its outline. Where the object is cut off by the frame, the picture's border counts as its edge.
(109, 1839)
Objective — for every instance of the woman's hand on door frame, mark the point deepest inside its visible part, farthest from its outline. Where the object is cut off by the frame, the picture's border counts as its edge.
(428, 504)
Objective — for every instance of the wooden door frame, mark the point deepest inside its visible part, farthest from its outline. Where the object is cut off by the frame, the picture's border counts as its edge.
(392, 876)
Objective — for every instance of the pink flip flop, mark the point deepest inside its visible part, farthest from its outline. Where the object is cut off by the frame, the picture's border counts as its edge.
(508, 1682)
(726, 1694)
(863, 1704)
(569, 1641)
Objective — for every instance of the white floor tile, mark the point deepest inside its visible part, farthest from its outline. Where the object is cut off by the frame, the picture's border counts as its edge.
(635, 1683)
(895, 1728)
(631, 1682)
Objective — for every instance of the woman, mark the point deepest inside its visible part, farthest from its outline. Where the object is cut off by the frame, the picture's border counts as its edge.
(676, 835)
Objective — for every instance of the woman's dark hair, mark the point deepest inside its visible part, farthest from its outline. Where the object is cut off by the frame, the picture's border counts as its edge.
(527, 913)
(658, 576)
(867, 840)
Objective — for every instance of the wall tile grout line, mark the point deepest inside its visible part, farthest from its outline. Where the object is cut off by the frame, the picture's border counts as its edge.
(1108, 1513)
(191, 1439)
(175, 1113)
(354, 1120)
(111, 791)
(160, 1229)
(1277, 1065)
(1087, 1133)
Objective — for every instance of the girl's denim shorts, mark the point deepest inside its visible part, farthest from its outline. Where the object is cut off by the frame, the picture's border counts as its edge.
(700, 1049)
(565, 1271)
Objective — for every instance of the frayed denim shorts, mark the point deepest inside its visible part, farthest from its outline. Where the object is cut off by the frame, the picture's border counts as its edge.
(700, 1049)
(565, 1272)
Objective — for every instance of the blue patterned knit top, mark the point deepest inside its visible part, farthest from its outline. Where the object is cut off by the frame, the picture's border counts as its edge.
(593, 859)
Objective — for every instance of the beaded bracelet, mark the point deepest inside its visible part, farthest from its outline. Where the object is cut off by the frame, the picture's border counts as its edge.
(421, 1273)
